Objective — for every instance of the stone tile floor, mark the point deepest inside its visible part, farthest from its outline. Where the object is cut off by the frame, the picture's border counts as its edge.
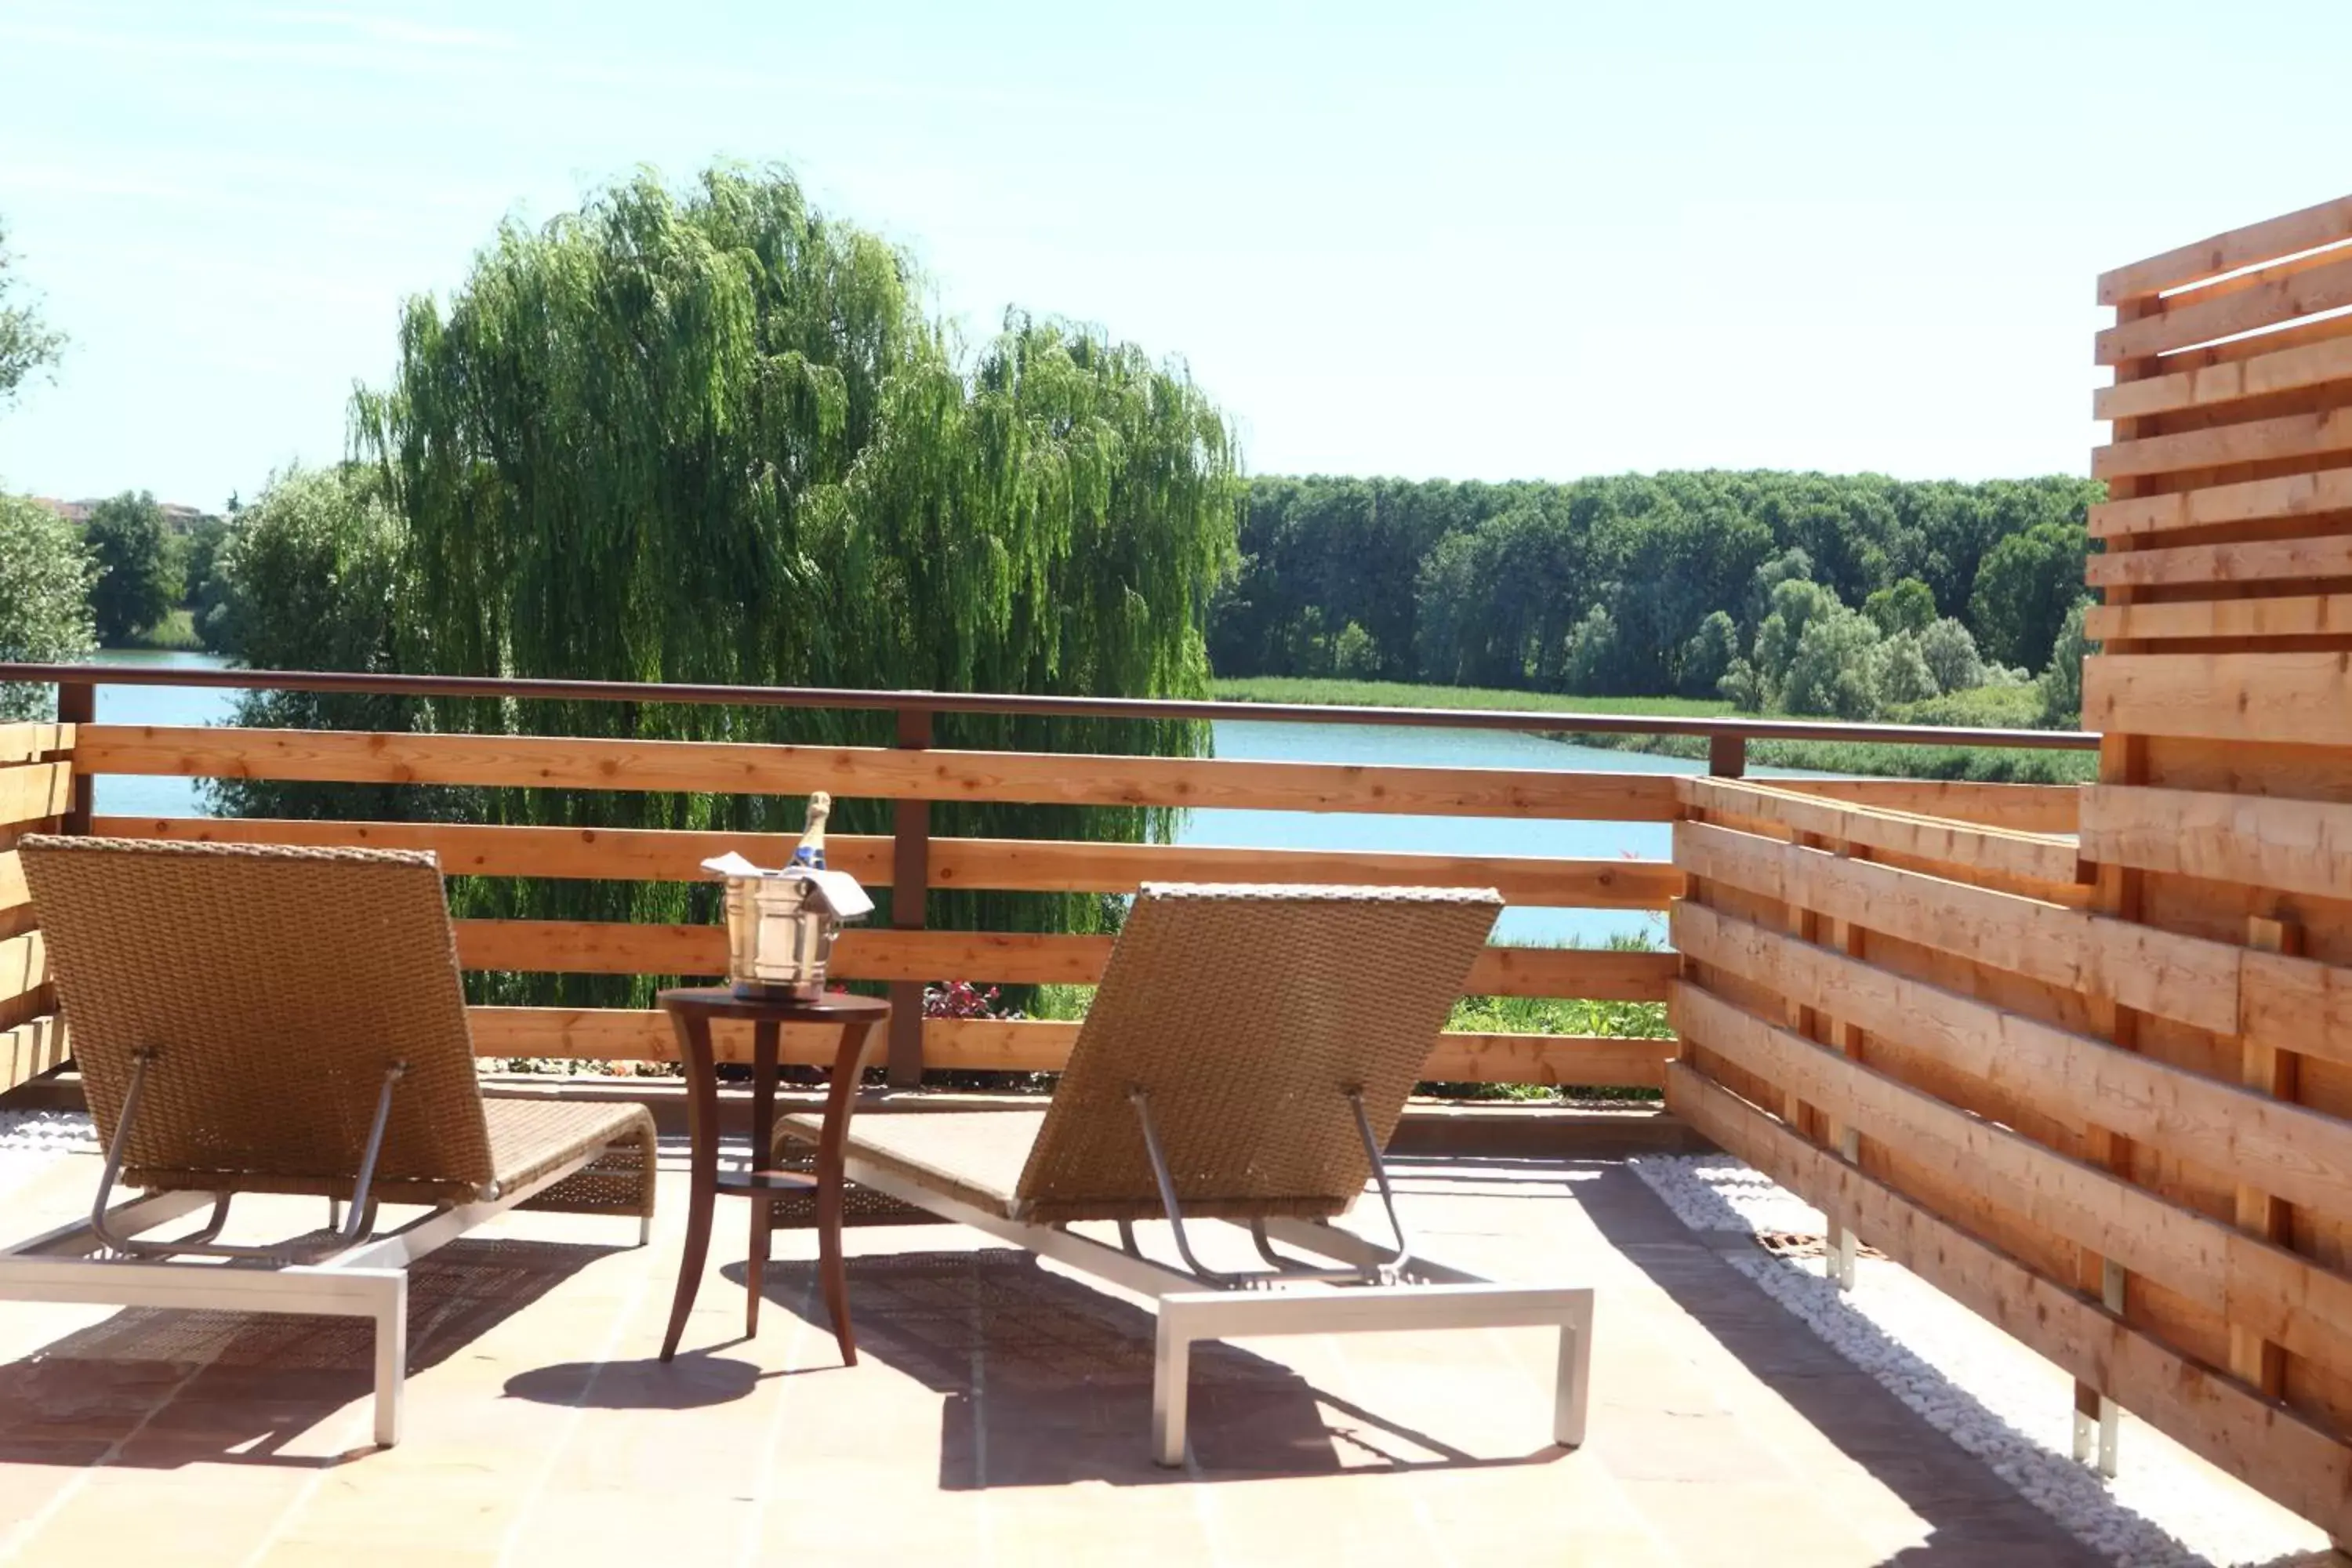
(998, 1416)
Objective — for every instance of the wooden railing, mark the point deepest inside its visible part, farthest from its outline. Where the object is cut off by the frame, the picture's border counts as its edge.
(51, 779)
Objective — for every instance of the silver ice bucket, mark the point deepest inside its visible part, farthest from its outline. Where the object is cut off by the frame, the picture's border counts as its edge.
(780, 934)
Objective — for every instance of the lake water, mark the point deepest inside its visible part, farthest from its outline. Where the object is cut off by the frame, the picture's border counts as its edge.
(1363, 743)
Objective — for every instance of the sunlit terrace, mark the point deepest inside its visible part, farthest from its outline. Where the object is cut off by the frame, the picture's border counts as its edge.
(1007, 1399)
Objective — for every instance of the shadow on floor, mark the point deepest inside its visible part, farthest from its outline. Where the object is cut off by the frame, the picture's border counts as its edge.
(1048, 1381)
(164, 1388)
(1973, 1515)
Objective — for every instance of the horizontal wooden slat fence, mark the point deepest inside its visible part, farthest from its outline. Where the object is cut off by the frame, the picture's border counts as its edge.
(912, 957)
(2109, 1105)
(916, 773)
(1920, 1041)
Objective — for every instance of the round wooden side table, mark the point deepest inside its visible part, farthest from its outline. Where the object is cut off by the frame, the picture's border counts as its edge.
(691, 1011)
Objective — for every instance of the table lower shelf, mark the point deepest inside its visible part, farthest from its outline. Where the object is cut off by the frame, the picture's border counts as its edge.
(765, 1183)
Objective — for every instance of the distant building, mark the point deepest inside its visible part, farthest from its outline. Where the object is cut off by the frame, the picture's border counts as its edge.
(178, 519)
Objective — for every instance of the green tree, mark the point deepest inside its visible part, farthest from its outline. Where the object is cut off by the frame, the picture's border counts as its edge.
(1710, 654)
(1743, 687)
(1833, 672)
(1594, 665)
(1899, 671)
(1354, 655)
(27, 344)
(134, 585)
(2062, 684)
(1951, 656)
(308, 577)
(1907, 607)
(2024, 589)
(44, 577)
(710, 435)
(1796, 604)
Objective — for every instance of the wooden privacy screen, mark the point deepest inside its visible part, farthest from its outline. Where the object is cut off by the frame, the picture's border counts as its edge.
(2105, 1103)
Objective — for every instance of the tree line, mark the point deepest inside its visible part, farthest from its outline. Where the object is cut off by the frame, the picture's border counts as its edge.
(1845, 595)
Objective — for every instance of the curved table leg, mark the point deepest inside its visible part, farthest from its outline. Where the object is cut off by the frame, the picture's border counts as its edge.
(702, 1193)
(840, 1100)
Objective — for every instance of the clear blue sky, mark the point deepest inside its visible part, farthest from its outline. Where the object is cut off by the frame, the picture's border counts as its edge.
(1466, 240)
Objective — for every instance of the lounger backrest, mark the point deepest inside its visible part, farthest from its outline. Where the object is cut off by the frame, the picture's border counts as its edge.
(274, 985)
(1245, 1014)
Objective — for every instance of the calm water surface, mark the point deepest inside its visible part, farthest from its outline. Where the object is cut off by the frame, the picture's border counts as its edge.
(1364, 744)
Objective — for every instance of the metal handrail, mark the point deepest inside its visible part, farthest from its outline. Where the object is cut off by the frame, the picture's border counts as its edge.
(918, 701)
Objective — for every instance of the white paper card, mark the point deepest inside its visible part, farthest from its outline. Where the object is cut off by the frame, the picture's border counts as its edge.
(733, 864)
(841, 891)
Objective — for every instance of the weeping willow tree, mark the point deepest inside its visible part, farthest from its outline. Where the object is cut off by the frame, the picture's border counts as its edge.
(712, 435)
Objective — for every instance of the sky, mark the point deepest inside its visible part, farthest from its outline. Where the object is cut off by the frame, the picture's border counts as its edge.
(1469, 240)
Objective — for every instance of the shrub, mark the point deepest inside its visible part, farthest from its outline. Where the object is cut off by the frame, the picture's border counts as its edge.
(1354, 655)
(1707, 657)
(1951, 655)
(1832, 673)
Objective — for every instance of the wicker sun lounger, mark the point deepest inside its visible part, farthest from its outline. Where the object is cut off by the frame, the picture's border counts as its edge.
(254, 1019)
(1246, 1058)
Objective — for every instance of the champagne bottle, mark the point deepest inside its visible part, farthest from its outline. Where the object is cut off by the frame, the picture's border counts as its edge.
(809, 852)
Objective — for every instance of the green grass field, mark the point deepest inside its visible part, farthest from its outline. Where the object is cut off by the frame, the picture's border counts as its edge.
(1993, 764)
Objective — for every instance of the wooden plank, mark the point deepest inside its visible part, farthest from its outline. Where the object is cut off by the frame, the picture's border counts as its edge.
(2023, 808)
(2278, 1452)
(878, 773)
(24, 966)
(991, 1045)
(30, 1050)
(2253, 561)
(27, 743)
(1011, 864)
(2215, 386)
(2296, 616)
(2307, 229)
(2254, 1355)
(619, 947)
(2324, 433)
(2273, 1292)
(1598, 974)
(13, 892)
(2048, 858)
(2314, 496)
(32, 791)
(2302, 291)
(2299, 698)
(2301, 1154)
(2293, 846)
(2182, 977)
(623, 1034)
(1597, 1060)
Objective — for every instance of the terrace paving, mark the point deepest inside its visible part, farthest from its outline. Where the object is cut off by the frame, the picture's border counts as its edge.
(998, 1415)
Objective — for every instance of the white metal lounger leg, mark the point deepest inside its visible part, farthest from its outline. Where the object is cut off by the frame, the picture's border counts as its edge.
(1171, 1386)
(1573, 1380)
(1187, 1316)
(391, 1358)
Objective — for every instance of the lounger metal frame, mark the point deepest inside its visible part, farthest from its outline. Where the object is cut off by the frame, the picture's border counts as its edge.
(1374, 1289)
(108, 1260)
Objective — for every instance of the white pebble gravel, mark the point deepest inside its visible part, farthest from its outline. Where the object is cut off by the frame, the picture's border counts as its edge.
(30, 1140)
(1987, 1392)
